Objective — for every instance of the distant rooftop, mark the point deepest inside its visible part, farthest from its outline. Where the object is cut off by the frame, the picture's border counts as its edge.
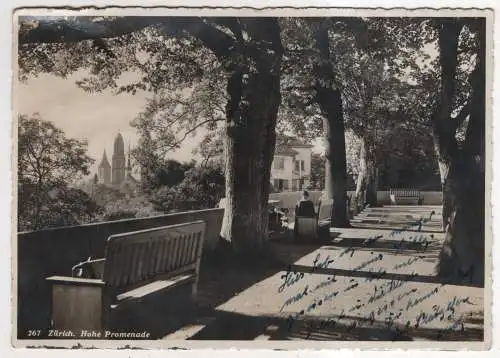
(283, 150)
(292, 142)
(286, 145)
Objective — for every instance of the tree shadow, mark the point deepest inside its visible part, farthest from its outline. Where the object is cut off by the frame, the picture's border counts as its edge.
(431, 229)
(380, 275)
(379, 242)
(223, 275)
(236, 326)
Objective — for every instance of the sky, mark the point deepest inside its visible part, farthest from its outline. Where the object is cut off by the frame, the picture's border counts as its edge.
(96, 117)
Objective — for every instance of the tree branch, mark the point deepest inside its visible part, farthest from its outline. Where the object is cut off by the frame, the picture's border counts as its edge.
(48, 29)
(221, 44)
(312, 100)
(232, 24)
(191, 130)
(464, 112)
(299, 88)
(61, 29)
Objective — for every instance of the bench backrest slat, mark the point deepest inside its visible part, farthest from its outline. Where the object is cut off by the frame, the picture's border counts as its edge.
(137, 256)
(403, 192)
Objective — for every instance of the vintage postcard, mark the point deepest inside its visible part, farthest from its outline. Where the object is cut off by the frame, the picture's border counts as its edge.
(252, 178)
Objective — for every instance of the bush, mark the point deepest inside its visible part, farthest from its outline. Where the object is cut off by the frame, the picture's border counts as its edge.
(55, 206)
(202, 188)
(118, 215)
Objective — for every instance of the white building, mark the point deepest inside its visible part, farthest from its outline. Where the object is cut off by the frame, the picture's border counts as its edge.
(291, 168)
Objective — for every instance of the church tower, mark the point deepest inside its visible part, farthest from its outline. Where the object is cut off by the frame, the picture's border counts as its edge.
(129, 165)
(104, 170)
(118, 175)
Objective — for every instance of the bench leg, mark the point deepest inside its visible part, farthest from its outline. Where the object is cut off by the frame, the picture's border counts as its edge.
(194, 291)
(393, 199)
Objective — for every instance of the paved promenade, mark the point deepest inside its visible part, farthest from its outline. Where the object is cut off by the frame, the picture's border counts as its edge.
(375, 281)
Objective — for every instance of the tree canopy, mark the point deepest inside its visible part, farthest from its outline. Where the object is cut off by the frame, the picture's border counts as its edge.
(48, 163)
(398, 84)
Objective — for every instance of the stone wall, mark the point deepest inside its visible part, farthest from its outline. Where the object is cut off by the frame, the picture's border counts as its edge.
(54, 251)
(428, 197)
(289, 199)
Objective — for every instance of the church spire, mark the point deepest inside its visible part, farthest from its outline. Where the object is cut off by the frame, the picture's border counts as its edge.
(104, 160)
(104, 170)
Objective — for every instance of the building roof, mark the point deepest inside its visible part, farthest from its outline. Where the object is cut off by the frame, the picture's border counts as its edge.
(281, 150)
(286, 145)
(291, 142)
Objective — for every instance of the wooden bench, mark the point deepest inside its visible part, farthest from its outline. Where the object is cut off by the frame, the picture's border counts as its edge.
(399, 196)
(136, 265)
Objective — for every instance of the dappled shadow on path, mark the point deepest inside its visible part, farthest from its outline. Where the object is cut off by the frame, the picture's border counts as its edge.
(236, 326)
(224, 276)
(379, 242)
(424, 229)
(377, 275)
(412, 219)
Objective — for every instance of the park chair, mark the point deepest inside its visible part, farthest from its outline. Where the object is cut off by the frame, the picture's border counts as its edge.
(306, 225)
(306, 229)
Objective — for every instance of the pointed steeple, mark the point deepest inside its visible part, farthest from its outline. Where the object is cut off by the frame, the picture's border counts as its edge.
(104, 170)
(104, 161)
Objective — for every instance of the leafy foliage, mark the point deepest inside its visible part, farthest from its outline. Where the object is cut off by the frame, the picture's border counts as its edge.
(353, 147)
(211, 149)
(48, 163)
(317, 171)
(202, 187)
(387, 75)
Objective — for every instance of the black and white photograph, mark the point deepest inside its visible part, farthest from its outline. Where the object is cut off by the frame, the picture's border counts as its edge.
(270, 177)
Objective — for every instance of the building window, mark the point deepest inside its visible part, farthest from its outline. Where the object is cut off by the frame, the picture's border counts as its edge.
(285, 185)
(300, 165)
(279, 163)
(281, 184)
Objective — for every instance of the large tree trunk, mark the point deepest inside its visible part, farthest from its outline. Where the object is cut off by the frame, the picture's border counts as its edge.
(461, 259)
(444, 128)
(251, 112)
(329, 99)
(462, 256)
(366, 186)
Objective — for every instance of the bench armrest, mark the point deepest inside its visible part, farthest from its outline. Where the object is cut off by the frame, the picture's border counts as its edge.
(89, 269)
(75, 281)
